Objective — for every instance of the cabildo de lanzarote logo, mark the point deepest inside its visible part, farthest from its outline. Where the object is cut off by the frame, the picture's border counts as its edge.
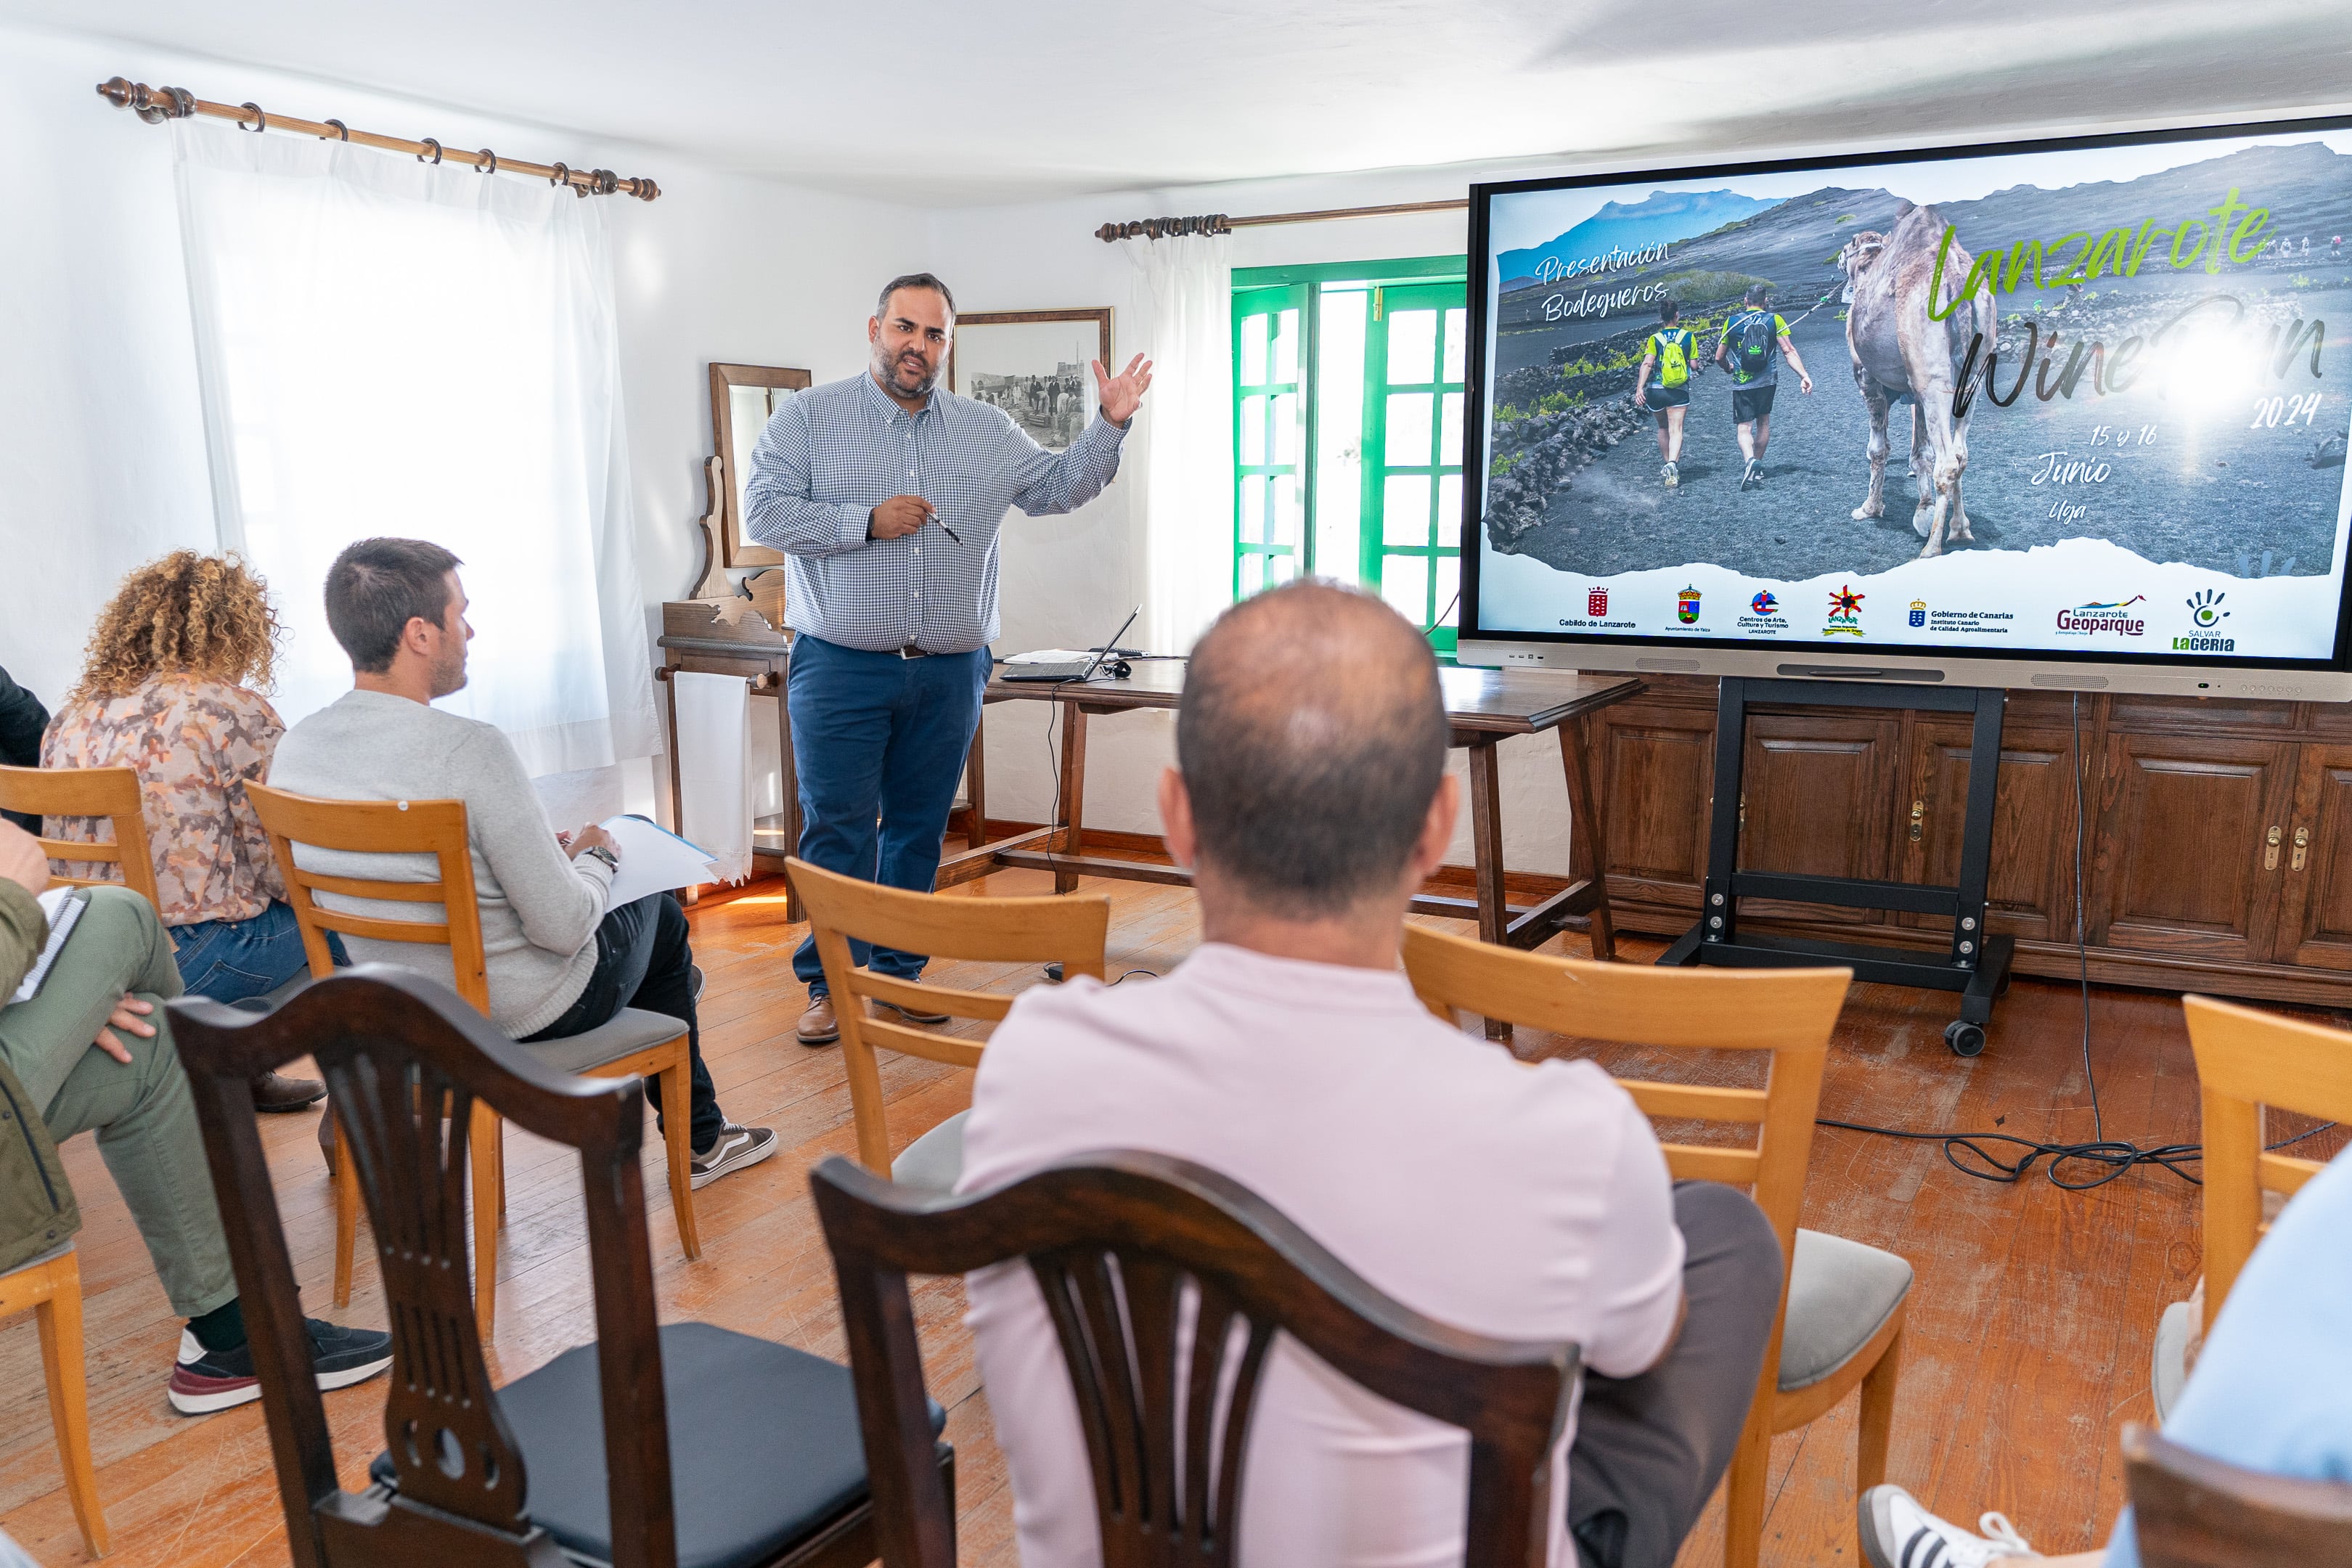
(2089, 620)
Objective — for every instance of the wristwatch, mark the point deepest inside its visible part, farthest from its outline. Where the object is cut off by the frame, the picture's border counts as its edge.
(612, 861)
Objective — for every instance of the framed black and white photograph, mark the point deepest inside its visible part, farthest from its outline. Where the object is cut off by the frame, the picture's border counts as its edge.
(1034, 365)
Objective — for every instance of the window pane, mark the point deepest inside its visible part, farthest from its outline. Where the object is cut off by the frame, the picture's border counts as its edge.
(1252, 575)
(1254, 427)
(1285, 347)
(1449, 432)
(1252, 514)
(1449, 584)
(1253, 350)
(1456, 323)
(1339, 433)
(1404, 583)
(1288, 514)
(1413, 347)
(1281, 568)
(1408, 444)
(1449, 508)
(1286, 426)
(1405, 509)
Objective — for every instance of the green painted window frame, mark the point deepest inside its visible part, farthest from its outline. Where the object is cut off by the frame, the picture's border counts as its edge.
(1256, 290)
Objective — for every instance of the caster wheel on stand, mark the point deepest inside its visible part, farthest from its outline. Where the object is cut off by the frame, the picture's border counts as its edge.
(1966, 1039)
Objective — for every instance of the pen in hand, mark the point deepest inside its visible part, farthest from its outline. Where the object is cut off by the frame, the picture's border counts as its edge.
(945, 529)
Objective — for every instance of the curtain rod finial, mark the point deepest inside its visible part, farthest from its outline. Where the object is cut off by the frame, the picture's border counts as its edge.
(154, 104)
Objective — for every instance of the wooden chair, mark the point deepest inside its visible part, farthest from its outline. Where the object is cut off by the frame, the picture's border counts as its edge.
(572, 1462)
(49, 1287)
(2246, 1060)
(1114, 1240)
(1842, 1304)
(633, 1042)
(110, 793)
(2193, 1512)
(1068, 931)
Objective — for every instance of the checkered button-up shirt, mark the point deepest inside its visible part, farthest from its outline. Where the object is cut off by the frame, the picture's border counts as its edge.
(831, 454)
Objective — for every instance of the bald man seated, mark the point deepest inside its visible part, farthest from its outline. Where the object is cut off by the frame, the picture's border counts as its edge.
(1289, 1053)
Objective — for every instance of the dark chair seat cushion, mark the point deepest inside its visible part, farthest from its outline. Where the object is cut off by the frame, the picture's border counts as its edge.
(763, 1446)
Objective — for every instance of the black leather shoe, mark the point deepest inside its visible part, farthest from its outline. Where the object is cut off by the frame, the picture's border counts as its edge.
(276, 1092)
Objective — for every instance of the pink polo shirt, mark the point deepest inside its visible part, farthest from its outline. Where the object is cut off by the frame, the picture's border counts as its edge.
(1529, 1201)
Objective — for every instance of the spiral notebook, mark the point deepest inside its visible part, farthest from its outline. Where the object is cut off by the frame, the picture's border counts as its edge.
(63, 906)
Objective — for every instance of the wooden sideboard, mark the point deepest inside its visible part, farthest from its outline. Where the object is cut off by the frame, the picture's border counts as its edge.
(2219, 856)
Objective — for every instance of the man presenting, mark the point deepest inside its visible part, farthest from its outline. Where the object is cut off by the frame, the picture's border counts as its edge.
(887, 492)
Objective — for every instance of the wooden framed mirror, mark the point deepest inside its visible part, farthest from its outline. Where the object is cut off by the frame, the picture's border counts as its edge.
(741, 398)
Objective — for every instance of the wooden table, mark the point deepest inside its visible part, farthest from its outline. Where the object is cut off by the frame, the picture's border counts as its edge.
(1486, 706)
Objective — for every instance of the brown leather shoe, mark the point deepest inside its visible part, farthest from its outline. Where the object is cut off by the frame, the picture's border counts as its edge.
(818, 1027)
(276, 1092)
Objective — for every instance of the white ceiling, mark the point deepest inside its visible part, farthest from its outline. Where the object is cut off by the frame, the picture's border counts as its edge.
(957, 103)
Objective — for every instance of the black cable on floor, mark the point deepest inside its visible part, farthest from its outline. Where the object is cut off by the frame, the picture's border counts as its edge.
(2110, 1157)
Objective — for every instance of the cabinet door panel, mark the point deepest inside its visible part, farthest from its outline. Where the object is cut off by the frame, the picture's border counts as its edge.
(2316, 909)
(1658, 772)
(2182, 846)
(2031, 892)
(1820, 801)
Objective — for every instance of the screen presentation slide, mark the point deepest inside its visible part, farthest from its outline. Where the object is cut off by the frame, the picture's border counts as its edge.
(2087, 402)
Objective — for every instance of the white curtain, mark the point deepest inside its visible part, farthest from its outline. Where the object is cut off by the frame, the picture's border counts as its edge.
(389, 347)
(1187, 436)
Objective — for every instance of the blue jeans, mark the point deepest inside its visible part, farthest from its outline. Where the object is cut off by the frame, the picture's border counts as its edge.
(230, 960)
(877, 736)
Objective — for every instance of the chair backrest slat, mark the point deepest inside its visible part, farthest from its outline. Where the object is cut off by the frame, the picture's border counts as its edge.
(430, 827)
(1117, 1241)
(1069, 930)
(397, 1050)
(2248, 1059)
(2194, 1512)
(110, 792)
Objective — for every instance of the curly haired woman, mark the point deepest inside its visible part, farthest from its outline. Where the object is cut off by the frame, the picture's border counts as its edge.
(169, 688)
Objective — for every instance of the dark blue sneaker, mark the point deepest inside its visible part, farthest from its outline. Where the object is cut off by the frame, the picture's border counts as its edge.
(205, 1380)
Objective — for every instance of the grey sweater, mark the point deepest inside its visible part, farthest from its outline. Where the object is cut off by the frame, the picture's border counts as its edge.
(540, 908)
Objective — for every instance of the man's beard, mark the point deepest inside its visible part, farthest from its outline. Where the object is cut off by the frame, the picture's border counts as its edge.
(900, 370)
(449, 677)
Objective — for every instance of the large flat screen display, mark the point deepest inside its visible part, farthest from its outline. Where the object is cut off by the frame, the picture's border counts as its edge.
(2043, 406)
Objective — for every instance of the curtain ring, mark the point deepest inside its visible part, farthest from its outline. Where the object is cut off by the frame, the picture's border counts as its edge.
(264, 119)
(491, 168)
(436, 152)
(339, 126)
(562, 175)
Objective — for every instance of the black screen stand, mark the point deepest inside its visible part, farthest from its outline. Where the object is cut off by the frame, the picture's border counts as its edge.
(1976, 965)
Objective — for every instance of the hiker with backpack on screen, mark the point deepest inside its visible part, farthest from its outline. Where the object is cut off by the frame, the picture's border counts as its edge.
(1668, 353)
(1750, 335)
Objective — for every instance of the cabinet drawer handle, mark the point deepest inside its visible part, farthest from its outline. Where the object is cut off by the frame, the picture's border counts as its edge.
(2302, 848)
(2269, 854)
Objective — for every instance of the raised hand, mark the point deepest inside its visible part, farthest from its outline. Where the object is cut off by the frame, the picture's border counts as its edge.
(1120, 395)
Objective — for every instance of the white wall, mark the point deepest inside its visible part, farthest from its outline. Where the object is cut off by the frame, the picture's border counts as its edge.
(102, 458)
(1068, 580)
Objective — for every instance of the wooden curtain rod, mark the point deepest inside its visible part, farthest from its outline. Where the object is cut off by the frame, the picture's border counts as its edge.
(1218, 223)
(156, 104)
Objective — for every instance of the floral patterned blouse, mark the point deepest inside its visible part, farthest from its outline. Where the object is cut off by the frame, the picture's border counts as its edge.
(195, 743)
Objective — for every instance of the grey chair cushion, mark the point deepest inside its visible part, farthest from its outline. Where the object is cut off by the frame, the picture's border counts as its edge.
(763, 1447)
(1840, 1293)
(51, 1256)
(629, 1032)
(935, 1161)
(2171, 1368)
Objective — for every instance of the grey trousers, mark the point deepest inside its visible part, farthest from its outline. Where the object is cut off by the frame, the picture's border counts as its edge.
(1650, 1449)
(144, 1114)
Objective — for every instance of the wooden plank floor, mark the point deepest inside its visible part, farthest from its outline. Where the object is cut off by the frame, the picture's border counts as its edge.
(2030, 1326)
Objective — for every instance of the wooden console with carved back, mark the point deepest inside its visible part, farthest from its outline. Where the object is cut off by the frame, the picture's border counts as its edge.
(2219, 856)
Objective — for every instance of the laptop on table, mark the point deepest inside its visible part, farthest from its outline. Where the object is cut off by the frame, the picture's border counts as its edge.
(1074, 670)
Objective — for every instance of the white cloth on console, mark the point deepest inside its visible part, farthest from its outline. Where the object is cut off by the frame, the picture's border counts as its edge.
(714, 768)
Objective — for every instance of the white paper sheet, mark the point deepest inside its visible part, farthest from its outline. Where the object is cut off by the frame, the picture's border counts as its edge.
(714, 768)
(63, 907)
(653, 860)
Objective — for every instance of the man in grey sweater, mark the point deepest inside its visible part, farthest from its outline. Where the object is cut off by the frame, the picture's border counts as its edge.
(559, 962)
